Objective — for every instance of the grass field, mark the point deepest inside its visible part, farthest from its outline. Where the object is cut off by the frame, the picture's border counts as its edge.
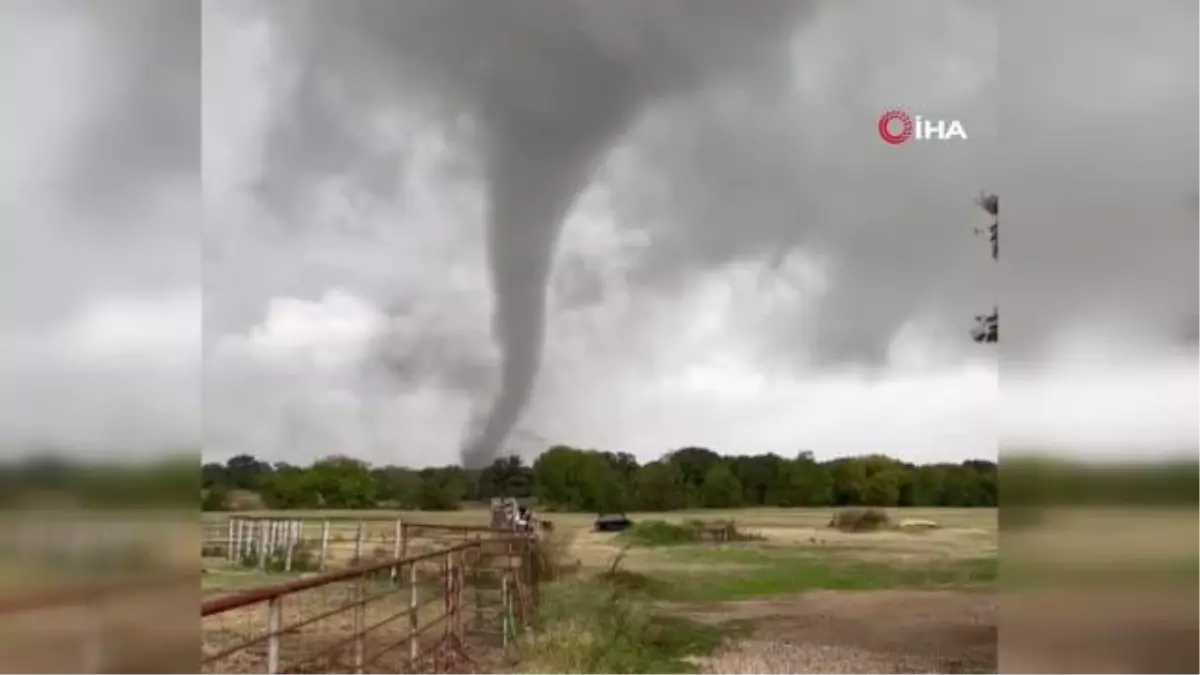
(1085, 588)
(799, 597)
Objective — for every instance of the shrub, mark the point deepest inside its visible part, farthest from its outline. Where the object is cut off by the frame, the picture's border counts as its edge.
(662, 533)
(550, 557)
(860, 520)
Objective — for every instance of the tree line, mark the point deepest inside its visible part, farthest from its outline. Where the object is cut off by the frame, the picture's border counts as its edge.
(572, 479)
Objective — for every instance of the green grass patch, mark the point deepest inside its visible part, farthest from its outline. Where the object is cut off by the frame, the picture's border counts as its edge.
(766, 572)
(660, 533)
(650, 533)
(598, 627)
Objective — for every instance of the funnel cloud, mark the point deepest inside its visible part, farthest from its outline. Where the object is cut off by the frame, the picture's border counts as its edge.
(559, 95)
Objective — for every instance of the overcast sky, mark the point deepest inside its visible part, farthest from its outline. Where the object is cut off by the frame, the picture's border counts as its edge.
(746, 266)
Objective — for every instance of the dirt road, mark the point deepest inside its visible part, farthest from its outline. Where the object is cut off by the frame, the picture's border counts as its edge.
(859, 632)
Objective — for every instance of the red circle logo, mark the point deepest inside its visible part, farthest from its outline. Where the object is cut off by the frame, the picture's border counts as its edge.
(895, 118)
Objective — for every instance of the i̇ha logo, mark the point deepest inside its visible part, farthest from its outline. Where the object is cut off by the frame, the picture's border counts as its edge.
(896, 127)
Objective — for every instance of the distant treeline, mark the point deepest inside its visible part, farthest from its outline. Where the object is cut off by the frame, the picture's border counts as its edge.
(582, 480)
(570, 479)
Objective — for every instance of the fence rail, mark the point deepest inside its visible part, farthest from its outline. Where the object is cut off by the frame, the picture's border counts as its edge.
(289, 544)
(405, 614)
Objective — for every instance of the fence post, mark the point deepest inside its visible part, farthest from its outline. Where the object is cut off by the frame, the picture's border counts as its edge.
(358, 542)
(446, 591)
(396, 551)
(360, 620)
(274, 627)
(475, 575)
(324, 544)
(229, 539)
(235, 526)
(243, 539)
(459, 578)
(504, 607)
(262, 545)
(413, 602)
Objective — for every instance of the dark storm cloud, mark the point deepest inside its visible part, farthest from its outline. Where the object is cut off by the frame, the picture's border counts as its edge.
(751, 138)
(145, 127)
(550, 87)
(1100, 173)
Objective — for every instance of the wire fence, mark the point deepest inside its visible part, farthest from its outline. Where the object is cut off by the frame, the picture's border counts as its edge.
(435, 611)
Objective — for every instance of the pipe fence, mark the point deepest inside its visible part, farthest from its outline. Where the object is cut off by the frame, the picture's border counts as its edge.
(426, 612)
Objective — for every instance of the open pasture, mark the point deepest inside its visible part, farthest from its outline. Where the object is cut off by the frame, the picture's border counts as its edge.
(796, 595)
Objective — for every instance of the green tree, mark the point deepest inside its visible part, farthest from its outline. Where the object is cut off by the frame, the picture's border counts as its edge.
(803, 482)
(693, 464)
(658, 486)
(721, 489)
(506, 477)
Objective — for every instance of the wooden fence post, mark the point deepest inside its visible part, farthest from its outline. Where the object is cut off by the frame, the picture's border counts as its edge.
(358, 543)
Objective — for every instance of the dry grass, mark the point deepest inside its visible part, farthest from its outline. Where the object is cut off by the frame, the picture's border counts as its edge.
(574, 642)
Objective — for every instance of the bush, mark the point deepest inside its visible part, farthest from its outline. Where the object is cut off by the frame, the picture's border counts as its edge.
(662, 533)
(550, 557)
(860, 520)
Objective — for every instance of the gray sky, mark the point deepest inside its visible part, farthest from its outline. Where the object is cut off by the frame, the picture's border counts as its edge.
(746, 267)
